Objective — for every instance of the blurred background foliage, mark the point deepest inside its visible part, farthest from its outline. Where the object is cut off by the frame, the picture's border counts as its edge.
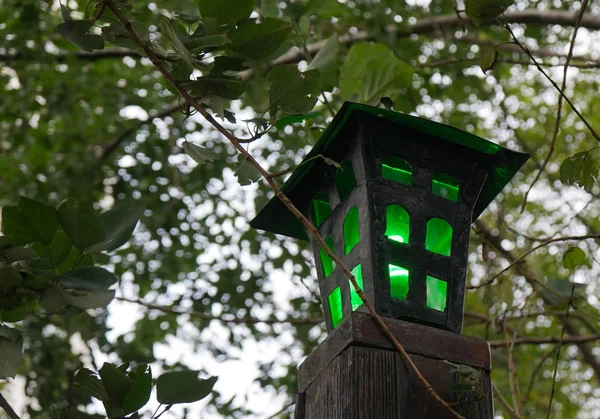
(105, 127)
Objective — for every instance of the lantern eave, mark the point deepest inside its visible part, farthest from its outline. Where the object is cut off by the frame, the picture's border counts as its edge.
(275, 217)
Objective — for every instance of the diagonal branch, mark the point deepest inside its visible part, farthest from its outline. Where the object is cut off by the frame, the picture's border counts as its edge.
(225, 319)
(559, 106)
(309, 226)
(8, 408)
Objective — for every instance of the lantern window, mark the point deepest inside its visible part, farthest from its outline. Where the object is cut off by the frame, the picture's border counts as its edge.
(354, 298)
(397, 222)
(351, 229)
(335, 306)
(398, 282)
(445, 186)
(320, 209)
(345, 181)
(438, 238)
(436, 293)
(327, 263)
(397, 169)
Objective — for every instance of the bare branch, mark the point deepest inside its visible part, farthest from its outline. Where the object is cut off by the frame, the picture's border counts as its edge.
(562, 93)
(522, 257)
(7, 408)
(285, 200)
(559, 106)
(224, 318)
(551, 339)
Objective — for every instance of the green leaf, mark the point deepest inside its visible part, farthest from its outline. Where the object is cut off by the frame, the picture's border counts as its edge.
(327, 62)
(89, 382)
(582, 168)
(14, 254)
(574, 257)
(259, 40)
(292, 91)
(246, 173)
(13, 315)
(227, 65)
(81, 223)
(169, 31)
(11, 351)
(76, 31)
(488, 58)
(116, 383)
(42, 217)
(118, 35)
(325, 9)
(139, 394)
(182, 387)
(294, 119)
(9, 279)
(226, 11)
(65, 13)
(225, 87)
(270, 8)
(118, 225)
(18, 226)
(87, 300)
(482, 10)
(91, 278)
(198, 153)
(53, 299)
(372, 71)
(198, 44)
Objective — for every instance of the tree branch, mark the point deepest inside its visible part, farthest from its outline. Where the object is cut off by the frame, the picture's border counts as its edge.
(285, 200)
(577, 339)
(225, 319)
(7, 408)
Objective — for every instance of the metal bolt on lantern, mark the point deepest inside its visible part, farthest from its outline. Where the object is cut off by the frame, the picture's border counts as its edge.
(397, 212)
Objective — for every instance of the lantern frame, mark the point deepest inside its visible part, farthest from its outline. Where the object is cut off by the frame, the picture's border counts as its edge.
(392, 162)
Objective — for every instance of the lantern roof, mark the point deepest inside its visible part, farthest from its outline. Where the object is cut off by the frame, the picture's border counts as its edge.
(275, 217)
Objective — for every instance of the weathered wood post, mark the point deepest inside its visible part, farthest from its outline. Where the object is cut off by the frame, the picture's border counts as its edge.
(396, 207)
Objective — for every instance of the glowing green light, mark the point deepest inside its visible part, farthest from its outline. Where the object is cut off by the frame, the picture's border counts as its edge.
(397, 169)
(445, 186)
(398, 282)
(397, 223)
(327, 263)
(351, 229)
(354, 298)
(439, 236)
(345, 181)
(320, 209)
(436, 293)
(335, 306)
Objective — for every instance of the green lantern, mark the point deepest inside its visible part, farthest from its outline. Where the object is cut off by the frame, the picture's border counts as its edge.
(397, 211)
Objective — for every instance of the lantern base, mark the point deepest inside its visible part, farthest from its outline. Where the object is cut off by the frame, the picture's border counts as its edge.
(356, 373)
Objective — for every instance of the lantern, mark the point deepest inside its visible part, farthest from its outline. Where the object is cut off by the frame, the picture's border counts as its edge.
(397, 209)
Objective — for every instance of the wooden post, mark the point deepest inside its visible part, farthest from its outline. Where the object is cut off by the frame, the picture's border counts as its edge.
(355, 373)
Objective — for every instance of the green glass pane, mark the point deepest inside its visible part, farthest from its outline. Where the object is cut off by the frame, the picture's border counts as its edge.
(345, 181)
(327, 263)
(397, 169)
(398, 282)
(436, 293)
(351, 229)
(354, 298)
(439, 236)
(320, 209)
(335, 306)
(397, 223)
(445, 186)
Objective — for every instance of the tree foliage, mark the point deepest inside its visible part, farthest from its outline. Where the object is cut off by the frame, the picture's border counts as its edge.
(118, 196)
